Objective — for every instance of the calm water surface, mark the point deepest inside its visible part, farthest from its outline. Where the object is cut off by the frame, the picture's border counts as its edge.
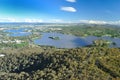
(18, 32)
(66, 41)
(70, 41)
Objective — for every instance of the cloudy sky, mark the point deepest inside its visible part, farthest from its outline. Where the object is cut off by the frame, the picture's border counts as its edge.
(59, 10)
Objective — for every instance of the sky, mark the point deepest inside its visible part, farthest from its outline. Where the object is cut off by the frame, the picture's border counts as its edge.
(90, 11)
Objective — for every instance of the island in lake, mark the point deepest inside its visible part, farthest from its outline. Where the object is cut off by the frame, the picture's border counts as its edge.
(54, 38)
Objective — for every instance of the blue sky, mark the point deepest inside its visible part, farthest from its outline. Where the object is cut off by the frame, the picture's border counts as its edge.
(59, 10)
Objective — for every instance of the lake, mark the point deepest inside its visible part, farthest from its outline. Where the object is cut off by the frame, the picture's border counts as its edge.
(66, 41)
(71, 41)
(18, 32)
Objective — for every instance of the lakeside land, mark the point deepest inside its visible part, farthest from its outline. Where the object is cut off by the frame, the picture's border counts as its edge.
(21, 59)
(21, 35)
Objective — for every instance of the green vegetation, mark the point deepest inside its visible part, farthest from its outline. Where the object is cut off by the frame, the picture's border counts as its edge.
(46, 63)
(13, 45)
(101, 43)
(93, 30)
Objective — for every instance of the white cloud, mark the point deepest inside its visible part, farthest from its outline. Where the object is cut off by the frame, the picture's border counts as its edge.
(20, 20)
(68, 9)
(115, 22)
(71, 0)
(100, 22)
(93, 22)
(57, 20)
(7, 20)
(33, 20)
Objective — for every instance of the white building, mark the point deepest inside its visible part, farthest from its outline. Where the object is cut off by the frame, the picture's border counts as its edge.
(2, 55)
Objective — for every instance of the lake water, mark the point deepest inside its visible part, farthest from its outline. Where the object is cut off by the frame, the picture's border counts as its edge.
(17, 32)
(70, 41)
(66, 41)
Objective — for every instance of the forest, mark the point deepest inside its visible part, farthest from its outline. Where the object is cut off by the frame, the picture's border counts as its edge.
(49, 63)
